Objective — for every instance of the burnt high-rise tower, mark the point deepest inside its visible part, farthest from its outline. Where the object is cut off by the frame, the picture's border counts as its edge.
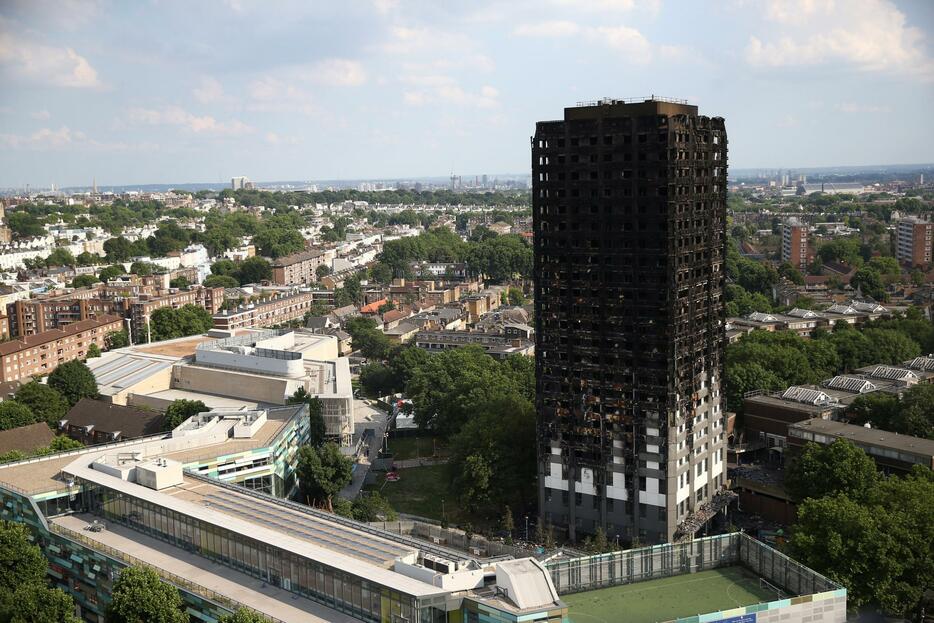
(629, 208)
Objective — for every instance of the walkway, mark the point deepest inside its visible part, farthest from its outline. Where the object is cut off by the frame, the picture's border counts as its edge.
(239, 587)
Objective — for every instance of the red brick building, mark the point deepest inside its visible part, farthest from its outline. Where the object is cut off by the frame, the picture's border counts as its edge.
(38, 355)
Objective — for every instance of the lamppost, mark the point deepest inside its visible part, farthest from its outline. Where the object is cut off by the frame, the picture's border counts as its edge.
(526, 528)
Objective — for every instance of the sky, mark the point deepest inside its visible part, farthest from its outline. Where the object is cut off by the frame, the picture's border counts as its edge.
(165, 91)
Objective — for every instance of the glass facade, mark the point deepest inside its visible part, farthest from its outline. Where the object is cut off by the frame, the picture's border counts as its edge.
(328, 585)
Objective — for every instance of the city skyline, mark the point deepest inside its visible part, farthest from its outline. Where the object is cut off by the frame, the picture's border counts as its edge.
(386, 90)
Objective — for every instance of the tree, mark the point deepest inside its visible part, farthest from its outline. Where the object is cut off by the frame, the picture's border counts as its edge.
(244, 615)
(24, 225)
(515, 296)
(388, 306)
(366, 338)
(14, 415)
(116, 339)
(848, 542)
(493, 458)
(224, 268)
(111, 272)
(93, 351)
(60, 256)
(74, 381)
(317, 429)
(377, 380)
(322, 472)
(180, 282)
(840, 467)
(322, 271)
(83, 281)
(118, 249)
(37, 603)
(508, 523)
(139, 595)
(167, 323)
(791, 273)
(870, 283)
(372, 507)
(143, 269)
(180, 410)
(43, 401)
(254, 270)
(220, 281)
(21, 562)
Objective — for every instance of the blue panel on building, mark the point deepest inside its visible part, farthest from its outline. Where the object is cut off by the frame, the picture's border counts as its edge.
(744, 618)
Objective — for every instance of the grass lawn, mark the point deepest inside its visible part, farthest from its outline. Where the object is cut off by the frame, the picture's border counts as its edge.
(420, 491)
(403, 448)
(669, 598)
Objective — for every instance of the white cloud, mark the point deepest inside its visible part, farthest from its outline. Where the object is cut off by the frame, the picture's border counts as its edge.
(625, 39)
(278, 139)
(208, 91)
(871, 35)
(40, 115)
(56, 66)
(434, 89)
(554, 28)
(45, 138)
(337, 72)
(270, 94)
(176, 116)
(651, 6)
(385, 6)
(852, 107)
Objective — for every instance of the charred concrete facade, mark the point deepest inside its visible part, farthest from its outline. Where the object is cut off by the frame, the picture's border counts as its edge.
(629, 211)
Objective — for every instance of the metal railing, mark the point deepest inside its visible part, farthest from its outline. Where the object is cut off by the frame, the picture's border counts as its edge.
(631, 100)
(179, 582)
(352, 524)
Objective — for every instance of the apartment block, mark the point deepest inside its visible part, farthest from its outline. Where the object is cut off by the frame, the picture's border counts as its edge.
(271, 313)
(629, 211)
(38, 355)
(795, 243)
(914, 239)
(298, 268)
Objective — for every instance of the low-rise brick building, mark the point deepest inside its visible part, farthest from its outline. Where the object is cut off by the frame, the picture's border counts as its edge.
(38, 355)
(271, 313)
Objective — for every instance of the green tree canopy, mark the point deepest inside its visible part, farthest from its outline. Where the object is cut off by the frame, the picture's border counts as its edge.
(22, 562)
(111, 272)
(139, 595)
(220, 281)
(45, 402)
(180, 410)
(116, 339)
(366, 338)
(254, 270)
(322, 472)
(83, 281)
(14, 415)
(74, 381)
(317, 429)
(840, 467)
(167, 323)
(244, 615)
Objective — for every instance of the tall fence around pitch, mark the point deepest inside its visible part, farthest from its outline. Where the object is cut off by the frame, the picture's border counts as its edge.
(587, 573)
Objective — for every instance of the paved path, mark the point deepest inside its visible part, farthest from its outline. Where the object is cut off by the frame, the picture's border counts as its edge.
(420, 462)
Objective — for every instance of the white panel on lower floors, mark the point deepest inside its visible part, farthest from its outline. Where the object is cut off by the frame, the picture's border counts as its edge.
(653, 499)
(618, 490)
(556, 483)
(586, 485)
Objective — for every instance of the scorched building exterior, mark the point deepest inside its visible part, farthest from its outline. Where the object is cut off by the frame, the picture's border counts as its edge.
(629, 210)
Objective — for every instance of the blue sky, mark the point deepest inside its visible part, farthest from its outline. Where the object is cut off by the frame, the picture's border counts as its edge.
(162, 91)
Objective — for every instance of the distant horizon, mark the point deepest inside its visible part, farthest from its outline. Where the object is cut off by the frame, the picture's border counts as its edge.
(466, 178)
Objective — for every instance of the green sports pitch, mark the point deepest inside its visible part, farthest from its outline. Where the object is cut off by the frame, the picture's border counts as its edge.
(667, 599)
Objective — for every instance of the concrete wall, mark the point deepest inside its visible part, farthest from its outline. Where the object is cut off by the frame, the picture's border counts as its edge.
(272, 390)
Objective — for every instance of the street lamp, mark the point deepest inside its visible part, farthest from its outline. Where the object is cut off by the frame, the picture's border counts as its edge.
(526, 527)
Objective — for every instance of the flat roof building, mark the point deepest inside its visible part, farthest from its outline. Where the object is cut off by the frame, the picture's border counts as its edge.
(168, 502)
